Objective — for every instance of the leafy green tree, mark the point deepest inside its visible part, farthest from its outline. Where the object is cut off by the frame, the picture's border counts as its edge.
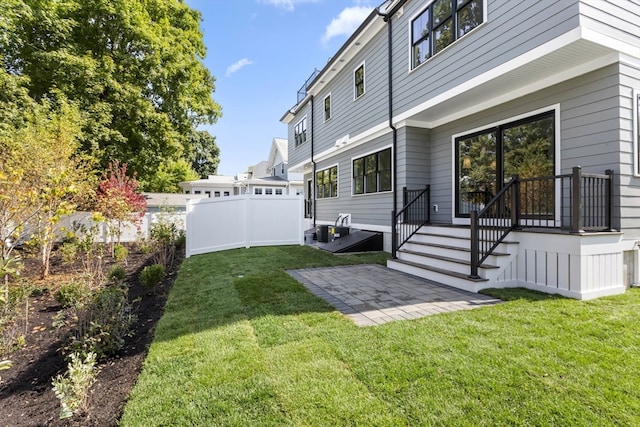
(42, 178)
(204, 154)
(133, 66)
(168, 176)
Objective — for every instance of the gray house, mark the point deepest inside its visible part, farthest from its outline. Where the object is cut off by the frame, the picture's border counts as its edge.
(494, 143)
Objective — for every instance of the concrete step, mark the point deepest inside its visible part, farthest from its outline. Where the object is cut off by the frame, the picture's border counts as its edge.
(436, 274)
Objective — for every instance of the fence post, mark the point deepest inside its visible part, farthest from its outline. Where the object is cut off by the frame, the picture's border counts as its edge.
(609, 199)
(475, 245)
(515, 203)
(394, 235)
(576, 205)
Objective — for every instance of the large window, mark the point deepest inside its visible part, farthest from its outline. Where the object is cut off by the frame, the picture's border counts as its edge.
(300, 132)
(327, 183)
(372, 173)
(358, 82)
(488, 159)
(327, 108)
(440, 24)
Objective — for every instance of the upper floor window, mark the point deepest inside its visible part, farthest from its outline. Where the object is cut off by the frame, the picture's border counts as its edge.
(372, 173)
(257, 191)
(327, 107)
(278, 191)
(327, 183)
(300, 132)
(358, 82)
(440, 24)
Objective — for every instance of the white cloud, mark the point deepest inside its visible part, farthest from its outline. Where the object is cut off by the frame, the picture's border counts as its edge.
(287, 4)
(235, 67)
(347, 22)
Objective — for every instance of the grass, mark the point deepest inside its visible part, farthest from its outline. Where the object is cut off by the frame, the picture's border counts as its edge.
(243, 344)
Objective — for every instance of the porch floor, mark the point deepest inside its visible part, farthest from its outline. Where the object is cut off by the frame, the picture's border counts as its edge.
(372, 294)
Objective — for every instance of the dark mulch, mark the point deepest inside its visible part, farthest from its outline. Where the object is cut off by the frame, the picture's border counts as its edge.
(26, 394)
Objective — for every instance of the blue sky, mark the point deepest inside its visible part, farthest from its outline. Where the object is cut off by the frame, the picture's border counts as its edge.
(261, 52)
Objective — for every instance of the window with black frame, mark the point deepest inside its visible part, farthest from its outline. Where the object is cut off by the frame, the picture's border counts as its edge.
(300, 132)
(372, 173)
(327, 183)
(440, 24)
(358, 82)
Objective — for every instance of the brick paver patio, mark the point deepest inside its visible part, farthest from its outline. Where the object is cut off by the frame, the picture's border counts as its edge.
(371, 294)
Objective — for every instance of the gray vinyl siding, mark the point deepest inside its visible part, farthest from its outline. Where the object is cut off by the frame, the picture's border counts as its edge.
(348, 116)
(629, 182)
(369, 209)
(512, 29)
(412, 157)
(302, 152)
(618, 18)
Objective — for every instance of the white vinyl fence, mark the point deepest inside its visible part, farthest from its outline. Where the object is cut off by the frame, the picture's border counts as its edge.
(243, 221)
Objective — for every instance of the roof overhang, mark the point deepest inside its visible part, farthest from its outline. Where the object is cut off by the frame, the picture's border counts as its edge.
(575, 53)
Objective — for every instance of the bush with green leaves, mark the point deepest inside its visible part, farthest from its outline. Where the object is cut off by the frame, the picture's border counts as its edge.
(167, 236)
(73, 388)
(103, 324)
(152, 275)
(68, 252)
(120, 253)
(117, 274)
(72, 294)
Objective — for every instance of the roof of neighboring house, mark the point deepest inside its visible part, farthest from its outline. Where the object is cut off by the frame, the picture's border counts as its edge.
(260, 170)
(279, 145)
(170, 199)
(268, 180)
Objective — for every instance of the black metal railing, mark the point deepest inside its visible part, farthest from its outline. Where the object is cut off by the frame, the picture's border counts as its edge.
(493, 223)
(585, 204)
(414, 214)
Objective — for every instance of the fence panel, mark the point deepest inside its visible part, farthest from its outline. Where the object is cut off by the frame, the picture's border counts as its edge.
(243, 221)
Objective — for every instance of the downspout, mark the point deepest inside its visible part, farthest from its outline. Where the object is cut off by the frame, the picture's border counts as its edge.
(387, 19)
(313, 168)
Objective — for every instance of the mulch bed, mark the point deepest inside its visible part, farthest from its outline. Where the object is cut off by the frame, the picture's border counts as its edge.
(26, 393)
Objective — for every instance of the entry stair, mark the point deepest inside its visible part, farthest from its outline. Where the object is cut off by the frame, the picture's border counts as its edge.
(442, 254)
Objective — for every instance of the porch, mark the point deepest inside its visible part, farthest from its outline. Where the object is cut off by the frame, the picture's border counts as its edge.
(552, 234)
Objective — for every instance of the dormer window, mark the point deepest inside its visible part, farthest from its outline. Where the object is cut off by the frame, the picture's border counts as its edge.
(440, 24)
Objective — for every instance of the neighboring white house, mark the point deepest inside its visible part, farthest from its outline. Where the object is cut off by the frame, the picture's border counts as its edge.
(269, 177)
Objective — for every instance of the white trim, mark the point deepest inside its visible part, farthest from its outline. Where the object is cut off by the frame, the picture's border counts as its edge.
(324, 111)
(365, 155)
(300, 166)
(364, 80)
(353, 142)
(536, 53)
(557, 153)
(635, 106)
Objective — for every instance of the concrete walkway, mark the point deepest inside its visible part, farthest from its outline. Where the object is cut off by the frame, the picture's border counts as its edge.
(371, 294)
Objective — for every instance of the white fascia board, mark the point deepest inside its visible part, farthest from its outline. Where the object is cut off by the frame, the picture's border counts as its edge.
(299, 167)
(610, 42)
(353, 142)
(495, 73)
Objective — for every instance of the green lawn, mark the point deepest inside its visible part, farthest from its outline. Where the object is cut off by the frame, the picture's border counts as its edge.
(243, 344)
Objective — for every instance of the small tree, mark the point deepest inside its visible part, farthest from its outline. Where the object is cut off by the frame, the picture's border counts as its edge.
(118, 199)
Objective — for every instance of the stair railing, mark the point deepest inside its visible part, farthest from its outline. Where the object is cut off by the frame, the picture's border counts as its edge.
(492, 224)
(414, 214)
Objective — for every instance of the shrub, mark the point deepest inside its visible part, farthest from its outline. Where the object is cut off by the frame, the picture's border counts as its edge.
(103, 324)
(120, 253)
(166, 237)
(73, 294)
(68, 252)
(152, 275)
(72, 389)
(116, 274)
